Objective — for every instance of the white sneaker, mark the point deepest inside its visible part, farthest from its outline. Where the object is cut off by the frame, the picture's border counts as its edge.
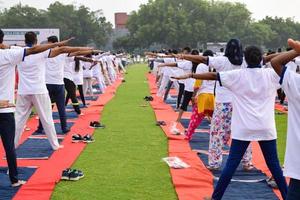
(18, 184)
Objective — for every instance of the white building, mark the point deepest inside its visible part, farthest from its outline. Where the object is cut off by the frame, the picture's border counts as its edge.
(16, 36)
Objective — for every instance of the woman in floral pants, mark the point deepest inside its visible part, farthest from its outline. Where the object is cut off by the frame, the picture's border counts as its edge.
(220, 132)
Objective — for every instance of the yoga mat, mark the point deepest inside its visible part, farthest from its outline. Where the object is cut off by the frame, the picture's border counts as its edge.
(6, 191)
(90, 98)
(197, 182)
(35, 149)
(81, 106)
(70, 115)
(57, 128)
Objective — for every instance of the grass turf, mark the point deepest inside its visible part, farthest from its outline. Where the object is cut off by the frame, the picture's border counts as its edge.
(281, 125)
(125, 161)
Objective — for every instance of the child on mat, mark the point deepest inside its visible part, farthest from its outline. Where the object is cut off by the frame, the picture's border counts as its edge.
(203, 98)
(290, 82)
(253, 99)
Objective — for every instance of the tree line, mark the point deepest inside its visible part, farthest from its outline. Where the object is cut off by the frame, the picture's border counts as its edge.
(179, 23)
(88, 27)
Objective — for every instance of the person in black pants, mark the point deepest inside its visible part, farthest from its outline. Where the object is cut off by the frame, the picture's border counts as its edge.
(71, 94)
(57, 95)
(7, 130)
(7, 86)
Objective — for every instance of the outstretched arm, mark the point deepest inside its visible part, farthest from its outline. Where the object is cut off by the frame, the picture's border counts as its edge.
(282, 59)
(84, 59)
(43, 47)
(85, 52)
(204, 76)
(193, 58)
(60, 50)
(167, 65)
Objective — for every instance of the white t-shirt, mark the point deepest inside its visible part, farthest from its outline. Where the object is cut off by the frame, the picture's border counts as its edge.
(78, 76)
(253, 101)
(87, 72)
(291, 66)
(32, 74)
(55, 70)
(207, 87)
(69, 68)
(291, 86)
(222, 63)
(9, 58)
(187, 66)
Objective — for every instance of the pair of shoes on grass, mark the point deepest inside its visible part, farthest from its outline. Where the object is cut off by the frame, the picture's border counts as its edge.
(96, 124)
(72, 175)
(76, 138)
(148, 98)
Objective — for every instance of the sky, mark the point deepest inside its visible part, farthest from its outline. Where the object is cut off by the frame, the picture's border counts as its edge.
(259, 8)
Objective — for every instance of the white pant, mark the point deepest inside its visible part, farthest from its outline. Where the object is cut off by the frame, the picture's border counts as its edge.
(42, 104)
(87, 85)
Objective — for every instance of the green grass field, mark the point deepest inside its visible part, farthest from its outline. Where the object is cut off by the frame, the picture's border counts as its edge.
(281, 124)
(125, 161)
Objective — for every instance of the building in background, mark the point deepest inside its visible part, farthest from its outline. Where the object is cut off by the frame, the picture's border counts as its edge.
(120, 29)
(121, 20)
(15, 36)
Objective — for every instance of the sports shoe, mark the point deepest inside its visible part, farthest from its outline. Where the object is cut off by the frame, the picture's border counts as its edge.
(272, 183)
(66, 174)
(75, 175)
(18, 184)
(77, 138)
(88, 139)
(96, 125)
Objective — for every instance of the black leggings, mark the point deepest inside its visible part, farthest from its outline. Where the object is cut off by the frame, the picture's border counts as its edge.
(281, 95)
(71, 94)
(186, 100)
(80, 89)
(180, 94)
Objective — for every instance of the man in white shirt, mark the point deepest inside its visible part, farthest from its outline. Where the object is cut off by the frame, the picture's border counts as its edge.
(55, 82)
(290, 82)
(9, 58)
(32, 91)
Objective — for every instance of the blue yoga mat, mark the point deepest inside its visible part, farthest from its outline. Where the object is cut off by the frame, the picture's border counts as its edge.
(71, 107)
(90, 98)
(238, 188)
(57, 128)
(171, 101)
(189, 108)
(6, 191)
(203, 125)
(35, 149)
(70, 115)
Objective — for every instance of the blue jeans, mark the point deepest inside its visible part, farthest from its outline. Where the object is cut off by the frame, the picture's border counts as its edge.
(294, 190)
(7, 132)
(57, 95)
(236, 153)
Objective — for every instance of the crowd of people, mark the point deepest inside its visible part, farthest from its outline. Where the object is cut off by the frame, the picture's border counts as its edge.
(40, 75)
(236, 91)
